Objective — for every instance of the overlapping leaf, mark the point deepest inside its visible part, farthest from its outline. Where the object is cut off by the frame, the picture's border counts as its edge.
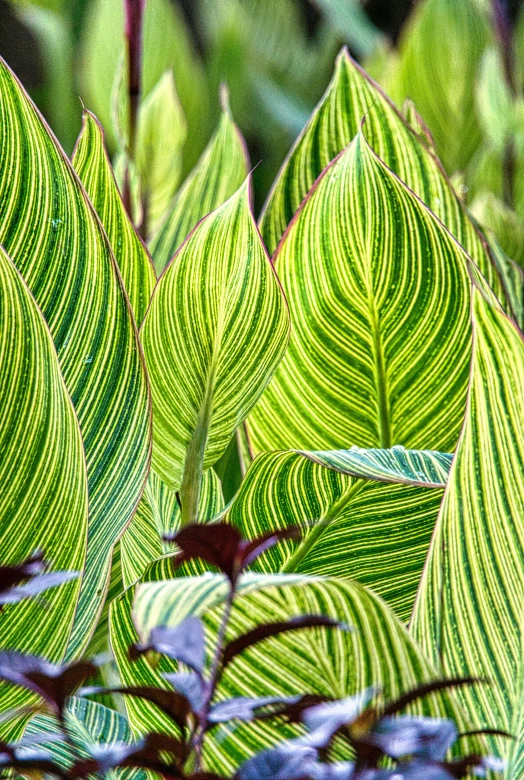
(354, 525)
(218, 174)
(157, 514)
(441, 80)
(43, 480)
(215, 331)
(378, 294)
(469, 612)
(50, 230)
(92, 164)
(325, 661)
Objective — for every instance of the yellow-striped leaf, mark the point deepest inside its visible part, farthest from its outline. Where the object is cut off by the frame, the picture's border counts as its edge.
(218, 174)
(214, 333)
(92, 165)
(365, 514)
(329, 662)
(50, 230)
(43, 480)
(469, 613)
(378, 293)
(157, 514)
(441, 80)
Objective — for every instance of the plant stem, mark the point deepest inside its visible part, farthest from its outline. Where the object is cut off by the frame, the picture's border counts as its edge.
(312, 538)
(194, 464)
(213, 679)
(134, 19)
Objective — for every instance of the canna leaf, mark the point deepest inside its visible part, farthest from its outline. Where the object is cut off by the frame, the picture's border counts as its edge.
(325, 661)
(93, 167)
(218, 174)
(350, 97)
(209, 365)
(161, 134)
(468, 613)
(353, 525)
(49, 228)
(158, 514)
(441, 81)
(43, 481)
(507, 226)
(378, 294)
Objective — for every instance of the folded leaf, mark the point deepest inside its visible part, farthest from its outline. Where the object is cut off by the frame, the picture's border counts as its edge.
(378, 294)
(218, 174)
(353, 526)
(50, 230)
(92, 164)
(215, 331)
(321, 660)
(43, 481)
(468, 614)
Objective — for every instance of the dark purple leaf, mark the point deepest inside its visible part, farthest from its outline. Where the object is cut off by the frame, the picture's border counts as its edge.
(428, 738)
(184, 643)
(246, 708)
(251, 550)
(172, 703)
(324, 720)
(36, 585)
(16, 573)
(343, 770)
(295, 763)
(272, 629)
(189, 685)
(51, 681)
(424, 690)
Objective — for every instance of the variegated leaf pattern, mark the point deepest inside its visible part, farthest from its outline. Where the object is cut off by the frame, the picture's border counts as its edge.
(43, 479)
(378, 293)
(469, 613)
(335, 663)
(92, 165)
(351, 97)
(353, 524)
(214, 333)
(218, 174)
(50, 230)
(91, 725)
(158, 513)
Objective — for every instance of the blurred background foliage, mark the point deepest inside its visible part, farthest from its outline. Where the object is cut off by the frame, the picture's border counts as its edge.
(461, 65)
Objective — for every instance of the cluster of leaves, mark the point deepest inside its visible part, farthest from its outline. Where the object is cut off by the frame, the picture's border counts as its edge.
(417, 746)
(362, 340)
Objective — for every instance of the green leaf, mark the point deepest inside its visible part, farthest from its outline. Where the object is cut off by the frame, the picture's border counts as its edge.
(209, 364)
(50, 230)
(43, 481)
(468, 614)
(330, 662)
(90, 724)
(441, 80)
(158, 513)
(365, 514)
(92, 165)
(167, 45)
(218, 174)
(352, 24)
(161, 134)
(494, 100)
(507, 226)
(378, 294)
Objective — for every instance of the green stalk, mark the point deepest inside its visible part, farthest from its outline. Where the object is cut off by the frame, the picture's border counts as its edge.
(312, 538)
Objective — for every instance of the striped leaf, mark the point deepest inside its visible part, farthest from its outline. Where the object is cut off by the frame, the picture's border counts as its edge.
(43, 480)
(90, 725)
(158, 513)
(215, 331)
(219, 173)
(350, 97)
(92, 165)
(366, 514)
(493, 214)
(161, 134)
(441, 81)
(330, 662)
(378, 294)
(469, 611)
(50, 230)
